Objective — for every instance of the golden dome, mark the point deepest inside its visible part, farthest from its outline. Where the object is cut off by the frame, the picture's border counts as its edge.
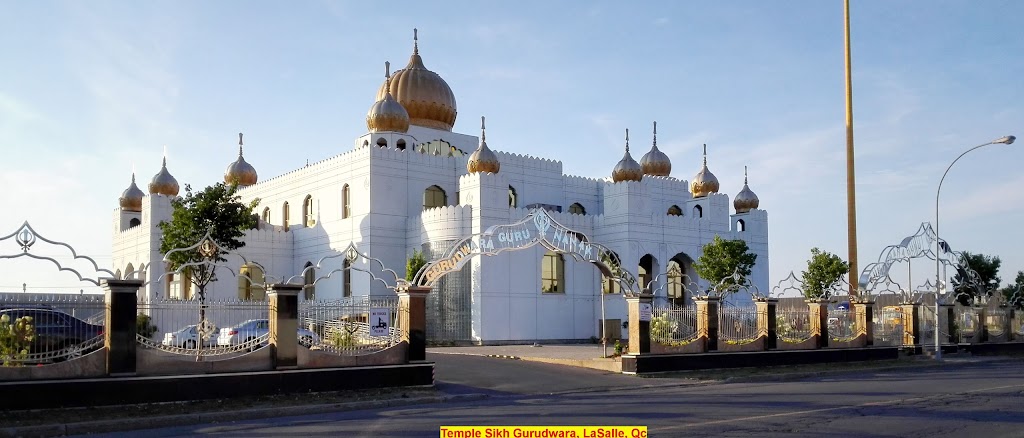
(745, 200)
(240, 172)
(163, 183)
(131, 198)
(627, 168)
(428, 98)
(483, 159)
(387, 114)
(655, 162)
(704, 182)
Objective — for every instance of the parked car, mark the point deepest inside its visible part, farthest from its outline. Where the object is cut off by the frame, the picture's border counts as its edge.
(54, 330)
(188, 337)
(254, 328)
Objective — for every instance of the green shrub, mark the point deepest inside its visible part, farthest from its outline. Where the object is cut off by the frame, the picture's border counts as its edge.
(15, 339)
(663, 328)
(144, 326)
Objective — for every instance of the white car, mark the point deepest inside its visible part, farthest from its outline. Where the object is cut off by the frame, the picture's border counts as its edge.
(255, 328)
(187, 337)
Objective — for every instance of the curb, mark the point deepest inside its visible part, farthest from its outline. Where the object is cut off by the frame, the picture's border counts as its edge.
(129, 424)
(787, 377)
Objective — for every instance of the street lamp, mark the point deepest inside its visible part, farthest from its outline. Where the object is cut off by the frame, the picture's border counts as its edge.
(938, 248)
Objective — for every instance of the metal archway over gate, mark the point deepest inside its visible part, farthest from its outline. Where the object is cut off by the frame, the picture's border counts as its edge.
(536, 228)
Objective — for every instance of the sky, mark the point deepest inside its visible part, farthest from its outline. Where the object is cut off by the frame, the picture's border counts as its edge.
(90, 91)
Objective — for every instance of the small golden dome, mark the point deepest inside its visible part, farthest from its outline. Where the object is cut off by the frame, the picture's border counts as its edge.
(483, 159)
(745, 200)
(427, 98)
(163, 183)
(240, 172)
(131, 198)
(387, 114)
(627, 168)
(656, 162)
(704, 182)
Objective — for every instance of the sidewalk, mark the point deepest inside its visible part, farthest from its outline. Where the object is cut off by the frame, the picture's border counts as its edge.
(579, 355)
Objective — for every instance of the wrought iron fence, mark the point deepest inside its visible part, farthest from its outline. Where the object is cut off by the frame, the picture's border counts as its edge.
(888, 326)
(671, 325)
(967, 323)
(927, 324)
(842, 324)
(350, 326)
(996, 321)
(211, 328)
(793, 324)
(49, 328)
(737, 324)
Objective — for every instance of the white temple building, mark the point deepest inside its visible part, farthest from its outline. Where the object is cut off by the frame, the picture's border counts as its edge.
(411, 183)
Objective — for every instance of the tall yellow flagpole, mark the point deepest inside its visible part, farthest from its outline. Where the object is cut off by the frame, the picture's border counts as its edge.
(851, 186)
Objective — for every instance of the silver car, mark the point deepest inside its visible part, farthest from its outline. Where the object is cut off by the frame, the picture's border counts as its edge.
(188, 337)
(255, 328)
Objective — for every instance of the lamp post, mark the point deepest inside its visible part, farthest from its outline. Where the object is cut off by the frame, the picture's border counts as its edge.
(938, 246)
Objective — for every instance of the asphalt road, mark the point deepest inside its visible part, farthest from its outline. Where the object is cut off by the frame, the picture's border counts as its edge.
(982, 399)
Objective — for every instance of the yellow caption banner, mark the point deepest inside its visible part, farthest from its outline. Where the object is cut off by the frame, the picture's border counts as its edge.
(543, 431)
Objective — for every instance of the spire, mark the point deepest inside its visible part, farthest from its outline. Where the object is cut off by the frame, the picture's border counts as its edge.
(239, 144)
(655, 143)
(627, 140)
(705, 154)
(483, 130)
(744, 175)
(415, 41)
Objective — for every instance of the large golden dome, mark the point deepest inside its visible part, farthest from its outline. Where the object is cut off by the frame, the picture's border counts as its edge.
(428, 98)
(627, 168)
(656, 162)
(240, 172)
(745, 200)
(704, 182)
(483, 159)
(131, 198)
(387, 114)
(163, 183)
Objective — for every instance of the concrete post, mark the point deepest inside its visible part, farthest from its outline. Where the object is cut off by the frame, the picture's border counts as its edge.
(911, 324)
(767, 322)
(284, 324)
(707, 320)
(412, 319)
(818, 309)
(640, 308)
(865, 315)
(119, 333)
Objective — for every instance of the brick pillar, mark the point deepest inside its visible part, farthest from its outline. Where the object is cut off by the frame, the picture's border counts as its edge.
(865, 314)
(819, 321)
(119, 333)
(911, 324)
(412, 319)
(707, 320)
(947, 320)
(640, 310)
(284, 324)
(767, 322)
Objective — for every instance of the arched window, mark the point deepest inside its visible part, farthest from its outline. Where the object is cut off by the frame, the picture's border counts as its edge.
(513, 200)
(308, 217)
(552, 273)
(675, 211)
(346, 202)
(674, 287)
(610, 285)
(741, 226)
(400, 144)
(134, 222)
(382, 142)
(250, 278)
(308, 280)
(645, 271)
(698, 211)
(346, 286)
(433, 197)
(284, 215)
(179, 286)
(577, 208)
(266, 214)
(366, 143)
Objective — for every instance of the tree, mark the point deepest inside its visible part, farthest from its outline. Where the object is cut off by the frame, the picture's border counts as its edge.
(722, 258)
(824, 270)
(987, 269)
(1014, 292)
(217, 210)
(414, 264)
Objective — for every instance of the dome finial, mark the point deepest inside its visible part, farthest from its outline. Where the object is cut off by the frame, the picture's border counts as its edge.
(655, 142)
(415, 41)
(387, 71)
(705, 154)
(483, 159)
(745, 200)
(627, 139)
(744, 175)
(239, 144)
(483, 129)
